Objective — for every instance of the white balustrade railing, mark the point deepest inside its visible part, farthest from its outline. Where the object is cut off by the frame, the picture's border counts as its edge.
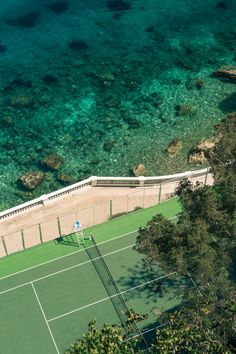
(95, 181)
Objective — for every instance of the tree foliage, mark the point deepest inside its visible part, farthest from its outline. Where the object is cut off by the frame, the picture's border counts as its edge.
(201, 243)
(109, 340)
(206, 325)
(223, 160)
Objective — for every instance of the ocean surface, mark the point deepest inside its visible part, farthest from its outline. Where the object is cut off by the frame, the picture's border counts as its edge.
(108, 84)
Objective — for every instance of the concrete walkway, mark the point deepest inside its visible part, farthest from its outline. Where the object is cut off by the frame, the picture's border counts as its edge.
(81, 199)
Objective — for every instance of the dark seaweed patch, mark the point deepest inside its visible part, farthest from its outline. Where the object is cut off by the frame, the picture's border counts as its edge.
(118, 5)
(29, 20)
(3, 48)
(78, 45)
(50, 79)
(59, 6)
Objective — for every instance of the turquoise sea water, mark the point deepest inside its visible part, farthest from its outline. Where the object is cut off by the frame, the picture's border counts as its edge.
(98, 82)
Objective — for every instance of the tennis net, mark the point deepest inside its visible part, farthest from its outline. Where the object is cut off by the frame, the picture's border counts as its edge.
(112, 289)
(109, 283)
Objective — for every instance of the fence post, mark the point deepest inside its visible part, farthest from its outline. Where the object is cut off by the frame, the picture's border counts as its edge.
(205, 181)
(40, 234)
(59, 226)
(159, 194)
(4, 245)
(22, 238)
(110, 209)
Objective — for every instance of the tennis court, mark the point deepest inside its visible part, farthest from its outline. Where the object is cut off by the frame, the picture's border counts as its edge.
(46, 308)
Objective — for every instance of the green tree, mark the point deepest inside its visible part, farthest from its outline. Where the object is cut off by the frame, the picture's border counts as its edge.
(185, 247)
(109, 340)
(206, 325)
(201, 243)
(222, 160)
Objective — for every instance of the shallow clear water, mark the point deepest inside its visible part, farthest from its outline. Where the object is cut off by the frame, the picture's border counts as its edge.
(98, 81)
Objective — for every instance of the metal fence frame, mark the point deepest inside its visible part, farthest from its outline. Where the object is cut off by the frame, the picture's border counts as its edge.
(150, 191)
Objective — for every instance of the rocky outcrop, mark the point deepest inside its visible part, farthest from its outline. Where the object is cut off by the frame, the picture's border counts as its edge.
(139, 170)
(198, 158)
(226, 71)
(174, 147)
(31, 180)
(205, 145)
(199, 155)
(52, 162)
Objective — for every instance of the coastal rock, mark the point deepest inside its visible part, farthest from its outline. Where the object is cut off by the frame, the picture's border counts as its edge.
(201, 151)
(139, 170)
(53, 161)
(174, 147)
(226, 71)
(31, 180)
(198, 158)
(205, 145)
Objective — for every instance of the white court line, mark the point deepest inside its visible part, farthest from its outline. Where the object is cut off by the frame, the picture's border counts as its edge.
(110, 297)
(66, 269)
(45, 319)
(66, 255)
(72, 253)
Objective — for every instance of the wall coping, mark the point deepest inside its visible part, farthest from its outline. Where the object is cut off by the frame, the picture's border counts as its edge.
(95, 181)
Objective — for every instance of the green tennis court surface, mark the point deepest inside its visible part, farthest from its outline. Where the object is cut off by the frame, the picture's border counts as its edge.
(45, 309)
(49, 293)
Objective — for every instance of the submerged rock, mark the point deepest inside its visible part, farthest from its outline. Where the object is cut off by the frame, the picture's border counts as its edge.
(53, 161)
(21, 101)
(226, 71)
(174, 147)
(64, 179)
(139, 170)
(183, 109)
(31, 180)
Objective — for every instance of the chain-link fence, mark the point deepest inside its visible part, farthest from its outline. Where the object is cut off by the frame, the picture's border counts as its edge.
(95, 214)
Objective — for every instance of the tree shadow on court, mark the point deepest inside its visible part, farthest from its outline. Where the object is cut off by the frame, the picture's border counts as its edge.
(157, 284)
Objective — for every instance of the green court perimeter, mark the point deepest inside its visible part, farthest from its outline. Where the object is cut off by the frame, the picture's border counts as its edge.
(47, 307)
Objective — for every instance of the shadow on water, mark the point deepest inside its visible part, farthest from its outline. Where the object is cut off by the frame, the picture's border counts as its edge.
(228, 104)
